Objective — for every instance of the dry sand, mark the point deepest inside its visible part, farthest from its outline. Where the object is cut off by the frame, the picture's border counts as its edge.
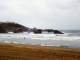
(10, 51)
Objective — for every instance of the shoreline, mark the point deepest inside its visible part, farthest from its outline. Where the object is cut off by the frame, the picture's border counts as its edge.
(11, 51)
(63, 46)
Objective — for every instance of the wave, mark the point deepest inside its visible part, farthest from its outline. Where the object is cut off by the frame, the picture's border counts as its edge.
(62, 40)
(66, 36)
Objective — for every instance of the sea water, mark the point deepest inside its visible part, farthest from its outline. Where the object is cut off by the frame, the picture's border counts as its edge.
(70, 38)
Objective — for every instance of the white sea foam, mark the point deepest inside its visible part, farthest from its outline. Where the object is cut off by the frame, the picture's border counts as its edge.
(7, 41)
(53, 37)
(16, 42)
(42, 36)
(10, 32)
(62, 40)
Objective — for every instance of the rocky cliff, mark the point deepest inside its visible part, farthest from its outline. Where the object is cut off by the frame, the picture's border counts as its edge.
(11, 26)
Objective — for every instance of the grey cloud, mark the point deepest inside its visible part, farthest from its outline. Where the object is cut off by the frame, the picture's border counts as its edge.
(56, 14)
(3, 7)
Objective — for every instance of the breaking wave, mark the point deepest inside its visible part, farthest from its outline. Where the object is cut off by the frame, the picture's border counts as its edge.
(69, 39)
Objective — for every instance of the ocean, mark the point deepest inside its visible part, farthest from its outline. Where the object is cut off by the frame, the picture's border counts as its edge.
(70, 38)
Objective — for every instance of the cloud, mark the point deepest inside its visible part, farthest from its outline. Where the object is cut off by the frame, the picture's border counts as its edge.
(56, 14)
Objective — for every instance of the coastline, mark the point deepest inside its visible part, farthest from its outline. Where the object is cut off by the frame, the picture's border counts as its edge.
(11, 51)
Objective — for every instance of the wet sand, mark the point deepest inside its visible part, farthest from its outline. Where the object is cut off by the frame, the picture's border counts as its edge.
(10, 51)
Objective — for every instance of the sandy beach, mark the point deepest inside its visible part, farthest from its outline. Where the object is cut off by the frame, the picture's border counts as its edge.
(10, 51)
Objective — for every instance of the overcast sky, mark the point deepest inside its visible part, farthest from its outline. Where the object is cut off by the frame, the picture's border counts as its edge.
(54, 14)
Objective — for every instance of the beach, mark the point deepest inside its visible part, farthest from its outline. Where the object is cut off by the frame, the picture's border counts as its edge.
(10, 51)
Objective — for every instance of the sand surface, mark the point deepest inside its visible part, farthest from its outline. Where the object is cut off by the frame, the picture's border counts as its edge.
(10, 51)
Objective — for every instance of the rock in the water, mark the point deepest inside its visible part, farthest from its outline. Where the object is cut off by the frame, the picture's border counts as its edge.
(49, 30)
(37, 31)
(57, 32)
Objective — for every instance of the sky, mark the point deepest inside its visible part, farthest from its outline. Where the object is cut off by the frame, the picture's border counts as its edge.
(52, 14)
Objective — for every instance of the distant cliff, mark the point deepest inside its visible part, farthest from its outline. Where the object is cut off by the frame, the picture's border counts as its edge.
(11, 26)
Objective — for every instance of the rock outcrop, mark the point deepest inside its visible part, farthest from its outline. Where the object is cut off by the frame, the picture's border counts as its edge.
(54, 31)
(37, 31)
(11, 26)
(18, 30)
(49, 30)
(2, 30)
(57, 32)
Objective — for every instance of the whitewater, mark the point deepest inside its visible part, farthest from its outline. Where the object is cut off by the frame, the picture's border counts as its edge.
(70, 38)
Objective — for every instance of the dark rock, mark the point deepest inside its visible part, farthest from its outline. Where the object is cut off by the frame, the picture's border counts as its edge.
(18, 30)
(57, 32)
(2, 30)
(37, 31)
(10, 26)
(49, 30)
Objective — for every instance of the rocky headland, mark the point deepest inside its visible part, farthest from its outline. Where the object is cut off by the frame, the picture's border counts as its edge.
(18, 28)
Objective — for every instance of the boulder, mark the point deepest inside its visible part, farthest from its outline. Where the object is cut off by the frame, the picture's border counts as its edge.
(57, 32)
(18, 30)
(37, 31)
